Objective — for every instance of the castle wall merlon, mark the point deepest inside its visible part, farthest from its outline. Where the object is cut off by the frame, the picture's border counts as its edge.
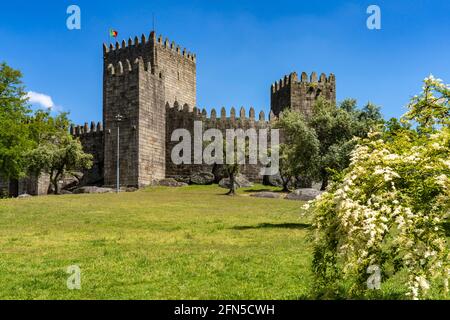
(177, 112)
(126, 66)
(292, 78)
(323, 78)
(175, 48)
(232, 114)
(86, 129)
(262, 116)
(284, 82)
(242, 113)
(331, 78)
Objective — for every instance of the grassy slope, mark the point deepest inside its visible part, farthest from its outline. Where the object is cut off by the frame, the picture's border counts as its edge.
(161, 243)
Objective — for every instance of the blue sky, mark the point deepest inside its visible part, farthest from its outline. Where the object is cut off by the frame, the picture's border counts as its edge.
(242, 47)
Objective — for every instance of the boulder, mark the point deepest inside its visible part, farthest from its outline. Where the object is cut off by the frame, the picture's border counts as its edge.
(93, 189)
(241, 181)
(170, 182)
(274, 180)
(270, 195)
(184, 179)
(218, 172)
(65, 192)
(304, 194)
(202, 178)
(24, 196)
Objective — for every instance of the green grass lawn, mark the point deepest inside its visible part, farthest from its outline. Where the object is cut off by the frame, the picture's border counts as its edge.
(159, 243)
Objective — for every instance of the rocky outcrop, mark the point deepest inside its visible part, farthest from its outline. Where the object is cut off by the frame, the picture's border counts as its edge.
(202, 178)
(274, 180)
(304, 194)
(183, 179)
(93, 189)
(170, 182)
(241, 181)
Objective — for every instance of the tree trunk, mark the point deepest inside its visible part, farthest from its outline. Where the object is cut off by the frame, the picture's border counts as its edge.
(55, 183)
(232, 191)
(324, 180)
(324, 184)
(286, 184)
(55, 186)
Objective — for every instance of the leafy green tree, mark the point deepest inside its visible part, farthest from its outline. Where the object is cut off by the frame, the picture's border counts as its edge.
(299, 152)
(14, 117)
(336, 126)
(286, 169)
(388, 209)
(316, 147)
(34, 142)
(58, 154)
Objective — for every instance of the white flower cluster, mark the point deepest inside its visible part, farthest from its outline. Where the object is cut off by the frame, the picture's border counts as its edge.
(393, 199)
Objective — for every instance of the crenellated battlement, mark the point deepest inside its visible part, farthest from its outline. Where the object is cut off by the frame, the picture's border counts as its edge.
(299, 95)
(175, 48)
(139, 45)
(233, 119)
(86, 129)
(126, 66)
(292, 78)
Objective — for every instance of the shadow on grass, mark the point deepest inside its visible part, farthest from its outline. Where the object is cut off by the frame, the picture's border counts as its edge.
(274, 226)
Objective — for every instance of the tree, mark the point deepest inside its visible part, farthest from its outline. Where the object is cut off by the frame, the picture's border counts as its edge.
(320, 145)
(388, 208)
(231, 165)
(59, 156)
(14, 117)
(336, 126)
(300, 150)
(34, 142)
(286, 169)
(57, 152)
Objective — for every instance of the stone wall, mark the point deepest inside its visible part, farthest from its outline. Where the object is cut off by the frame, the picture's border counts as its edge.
(151, 127)
(4, 187)
(139, 78)
(301, 95)
(179, 69)
(121, 96)
(91, 138)
(176, 64)
(182, 117)
(137, 94)
(35, 186)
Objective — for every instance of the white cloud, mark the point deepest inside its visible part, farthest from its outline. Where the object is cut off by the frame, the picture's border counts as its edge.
(42, 100)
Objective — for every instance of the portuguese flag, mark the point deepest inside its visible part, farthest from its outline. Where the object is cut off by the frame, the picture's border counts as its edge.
(113, 33)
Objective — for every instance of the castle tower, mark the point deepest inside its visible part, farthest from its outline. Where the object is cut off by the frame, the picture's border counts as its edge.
(300, 95)
(140, 76)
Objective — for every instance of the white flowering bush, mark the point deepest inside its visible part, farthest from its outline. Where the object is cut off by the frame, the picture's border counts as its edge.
(390, 206)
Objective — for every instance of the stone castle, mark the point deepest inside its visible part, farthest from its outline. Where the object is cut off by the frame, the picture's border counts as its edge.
(151, 83)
